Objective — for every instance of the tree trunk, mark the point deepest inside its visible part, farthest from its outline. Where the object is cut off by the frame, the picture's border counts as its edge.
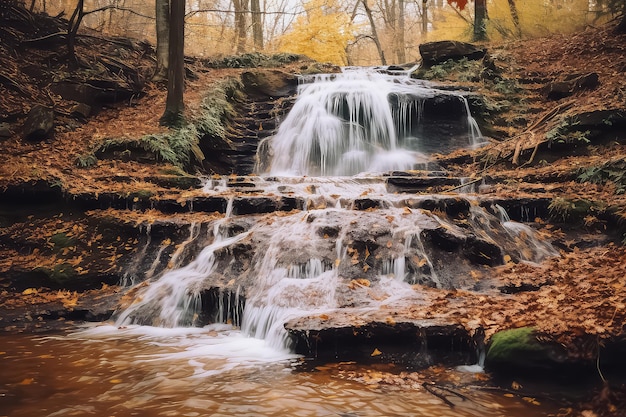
(72, 29)
(174, 105)
(424, 18)
(621, 28)
(480, 17)
(241, 8)
(515, 16)
(400, 50)
(163, 41)
(375, 38)
(257, 25)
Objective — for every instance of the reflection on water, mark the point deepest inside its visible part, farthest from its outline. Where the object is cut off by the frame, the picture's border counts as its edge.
(214, 371)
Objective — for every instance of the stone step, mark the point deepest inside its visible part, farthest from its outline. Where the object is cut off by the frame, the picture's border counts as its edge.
(414, 184)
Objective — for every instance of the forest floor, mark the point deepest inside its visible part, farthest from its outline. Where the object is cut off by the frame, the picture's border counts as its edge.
(581, 295)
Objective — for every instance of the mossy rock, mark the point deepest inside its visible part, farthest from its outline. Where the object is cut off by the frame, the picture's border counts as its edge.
(521, 349)
(59, 275)
(61, 241)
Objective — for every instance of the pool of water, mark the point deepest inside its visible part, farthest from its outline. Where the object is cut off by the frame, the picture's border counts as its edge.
(213, 371)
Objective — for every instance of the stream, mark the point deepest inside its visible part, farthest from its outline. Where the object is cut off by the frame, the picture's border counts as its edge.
(209, 336)
(215, 371)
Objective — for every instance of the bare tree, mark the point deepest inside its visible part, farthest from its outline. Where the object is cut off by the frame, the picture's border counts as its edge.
(480, 16)
(162, 34)
(399, 46)
(72, 29)
(240, 8)
(174, 105)
(375, 37)
(515, 17)
(257, 24)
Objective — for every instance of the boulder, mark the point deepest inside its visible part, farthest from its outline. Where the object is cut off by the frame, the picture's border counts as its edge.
(5, 131)
(269, 83)
(39, 122)
(437, 52)
(569, 84)
(522, 349)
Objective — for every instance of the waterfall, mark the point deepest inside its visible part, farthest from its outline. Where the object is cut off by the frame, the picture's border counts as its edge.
(350, 245)
(361, 121)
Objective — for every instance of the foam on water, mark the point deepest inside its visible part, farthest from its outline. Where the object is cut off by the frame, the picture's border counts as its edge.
(357, 121)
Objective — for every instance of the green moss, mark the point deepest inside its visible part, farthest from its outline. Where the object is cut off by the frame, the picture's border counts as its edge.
(516, 346)
(180, 146)
(60, 274)
(574, 209)
(86, 160)
(61, 241)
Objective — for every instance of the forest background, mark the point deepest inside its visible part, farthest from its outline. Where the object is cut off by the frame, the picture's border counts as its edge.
(356, 32)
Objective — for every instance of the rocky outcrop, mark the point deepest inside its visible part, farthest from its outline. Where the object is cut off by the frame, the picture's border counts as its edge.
(269, 83)
(437, 52)
(569, 84)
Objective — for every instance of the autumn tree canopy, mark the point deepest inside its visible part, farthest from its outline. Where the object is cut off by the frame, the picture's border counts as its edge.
(358, 32)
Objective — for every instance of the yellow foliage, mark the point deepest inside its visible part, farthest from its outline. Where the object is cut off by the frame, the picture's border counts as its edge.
(536, 18)
(322, 34)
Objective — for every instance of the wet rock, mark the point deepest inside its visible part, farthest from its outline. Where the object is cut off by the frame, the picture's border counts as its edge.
(445, 238)
(417, 184)
(522, 349)
(483, 252)
(255, 205)
(269, 83)
(452, 206)
(39, 122)
(367, 203)
(441, 51)
(520, 209)
(416, 344)
(209, 204)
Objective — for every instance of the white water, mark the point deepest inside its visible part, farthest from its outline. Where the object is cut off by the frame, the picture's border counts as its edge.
(340, 125)
(346, 124)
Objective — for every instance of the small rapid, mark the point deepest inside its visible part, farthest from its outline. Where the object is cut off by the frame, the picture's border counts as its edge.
(354, 239)
(362, 120)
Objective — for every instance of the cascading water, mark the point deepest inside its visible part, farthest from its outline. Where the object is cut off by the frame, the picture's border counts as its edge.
(350, 245)
(366, 121)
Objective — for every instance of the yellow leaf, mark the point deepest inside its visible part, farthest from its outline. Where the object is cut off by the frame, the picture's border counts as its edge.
(376, 352)
(507, 258)
(115, 381)
(29, 291)
(27, 381)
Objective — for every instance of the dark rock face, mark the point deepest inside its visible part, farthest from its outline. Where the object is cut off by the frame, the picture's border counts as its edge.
(416, 344)
(39, 122)
(437, 52)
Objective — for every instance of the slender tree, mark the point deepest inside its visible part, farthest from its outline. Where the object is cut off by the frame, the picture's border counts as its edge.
(163, 35)
(240, 8)
(515, 17)
(400, 47)
(174, 105)
(257, 24)
(72, 29)
(480, 17)
(375, 37)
